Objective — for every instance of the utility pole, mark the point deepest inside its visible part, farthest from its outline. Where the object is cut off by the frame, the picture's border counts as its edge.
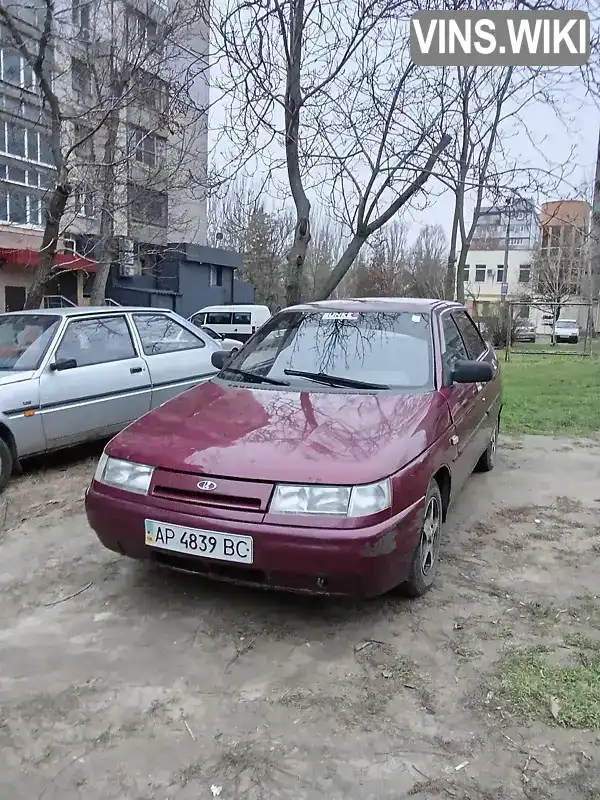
(506, 310)
(506, 249)
(595, 232)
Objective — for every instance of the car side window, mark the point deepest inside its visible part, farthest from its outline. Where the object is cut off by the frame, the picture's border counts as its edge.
(242, 318)
(455, 349)
(472, 338)
(162, 334)
(218, 318)
(98, 340)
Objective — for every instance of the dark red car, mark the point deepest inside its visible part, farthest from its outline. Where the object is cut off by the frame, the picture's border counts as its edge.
(322, 457)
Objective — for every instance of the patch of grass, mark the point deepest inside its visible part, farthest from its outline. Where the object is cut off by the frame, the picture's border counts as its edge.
(551, 395)
(568, 695)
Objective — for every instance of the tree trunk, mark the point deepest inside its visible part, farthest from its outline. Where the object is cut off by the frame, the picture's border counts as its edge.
(105, 254)
(296, 258)
(460, 271)
(44, 269)
(450, 282)
(341, 268)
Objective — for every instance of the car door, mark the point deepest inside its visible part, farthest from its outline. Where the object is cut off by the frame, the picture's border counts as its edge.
(488, 394)
(462, 399)
(177, 357)
(104, 386)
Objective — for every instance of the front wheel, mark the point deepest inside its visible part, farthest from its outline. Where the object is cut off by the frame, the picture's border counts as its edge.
(425, 558)
(6, 464)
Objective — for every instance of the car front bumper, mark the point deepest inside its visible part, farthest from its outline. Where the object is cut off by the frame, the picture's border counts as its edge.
(363, 562)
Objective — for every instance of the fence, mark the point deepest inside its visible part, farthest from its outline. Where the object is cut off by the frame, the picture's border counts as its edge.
(542, 328)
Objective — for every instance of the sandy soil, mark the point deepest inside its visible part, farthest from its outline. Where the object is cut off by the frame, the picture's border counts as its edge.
(152, 685)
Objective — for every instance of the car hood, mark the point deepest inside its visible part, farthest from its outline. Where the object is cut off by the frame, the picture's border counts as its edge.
(270, 435)
(9, 377)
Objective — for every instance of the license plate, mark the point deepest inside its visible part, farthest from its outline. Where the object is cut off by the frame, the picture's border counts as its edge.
(195, 542)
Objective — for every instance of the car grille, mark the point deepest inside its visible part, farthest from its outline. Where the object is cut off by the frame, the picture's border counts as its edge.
(236, 495)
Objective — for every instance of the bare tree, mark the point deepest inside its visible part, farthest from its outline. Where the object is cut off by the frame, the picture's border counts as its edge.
(333, 83)
(426, 263)
(99, 70)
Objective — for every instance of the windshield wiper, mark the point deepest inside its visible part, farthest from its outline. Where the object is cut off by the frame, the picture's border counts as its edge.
(334, 380)
(256, 377)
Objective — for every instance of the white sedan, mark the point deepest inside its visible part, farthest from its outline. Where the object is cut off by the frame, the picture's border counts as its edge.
(230, 345)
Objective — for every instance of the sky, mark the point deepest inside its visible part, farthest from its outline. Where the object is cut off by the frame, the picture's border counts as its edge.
(547, 143)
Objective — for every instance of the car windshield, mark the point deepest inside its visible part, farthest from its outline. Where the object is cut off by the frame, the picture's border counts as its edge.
(24, 338)
(357, 350)
(566, 323)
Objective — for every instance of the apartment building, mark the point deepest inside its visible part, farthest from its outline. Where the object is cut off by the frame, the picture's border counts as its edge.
(153, 194)
(519, 216)
(565, 226)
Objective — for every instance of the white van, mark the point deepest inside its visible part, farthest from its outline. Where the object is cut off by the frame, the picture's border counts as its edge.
(235, 321)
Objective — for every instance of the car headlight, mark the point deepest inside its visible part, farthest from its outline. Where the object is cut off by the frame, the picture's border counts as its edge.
(345, 501)
(126, 475)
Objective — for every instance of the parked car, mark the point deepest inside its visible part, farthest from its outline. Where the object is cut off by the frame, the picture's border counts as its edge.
(566, 330)
(524, 331)
(71, 374)
(237, 321)
(326, 463)
(230, 345)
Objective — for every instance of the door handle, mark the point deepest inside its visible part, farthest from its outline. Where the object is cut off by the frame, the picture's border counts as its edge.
(133, 370)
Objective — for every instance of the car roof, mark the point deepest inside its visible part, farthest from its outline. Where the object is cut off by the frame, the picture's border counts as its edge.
(233, 307)
(409, 304)
(78, 311)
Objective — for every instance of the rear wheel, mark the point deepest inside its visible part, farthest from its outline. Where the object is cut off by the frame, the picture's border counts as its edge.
(487, 462)
(6, 464)
(425, 558)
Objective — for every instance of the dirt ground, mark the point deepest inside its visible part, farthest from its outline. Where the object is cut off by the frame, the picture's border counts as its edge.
(152, 685)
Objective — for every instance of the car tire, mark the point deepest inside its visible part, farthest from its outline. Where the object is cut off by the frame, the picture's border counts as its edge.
(6, 465)
(487, 461)
(425, 558)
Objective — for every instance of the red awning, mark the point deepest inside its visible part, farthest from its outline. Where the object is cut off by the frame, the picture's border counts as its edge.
(29, 259)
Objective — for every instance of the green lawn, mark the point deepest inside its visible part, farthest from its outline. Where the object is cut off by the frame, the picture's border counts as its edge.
(551, 394)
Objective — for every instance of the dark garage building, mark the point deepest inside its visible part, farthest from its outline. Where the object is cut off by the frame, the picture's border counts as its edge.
(184, 278)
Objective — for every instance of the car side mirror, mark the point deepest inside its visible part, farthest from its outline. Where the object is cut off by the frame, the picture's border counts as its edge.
(63, 363)
(218, 358)
(472, 372)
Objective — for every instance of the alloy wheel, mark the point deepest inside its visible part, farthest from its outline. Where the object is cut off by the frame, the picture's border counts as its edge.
(430, 536)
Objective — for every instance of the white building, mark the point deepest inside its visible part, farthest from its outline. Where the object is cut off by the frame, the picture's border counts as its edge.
(161, 143)
(484, 279)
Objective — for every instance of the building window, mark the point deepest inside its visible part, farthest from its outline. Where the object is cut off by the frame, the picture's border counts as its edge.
(500, 273)
(81, 79)
(84, 141)
(84, 201)
(142, 30)
(81, 16)
(212, 277)
(19, 206)
(479, 273)
(15, 70)
(20, 141)
(153, 92)
(148, 147)
(525, 274)
(148, 207)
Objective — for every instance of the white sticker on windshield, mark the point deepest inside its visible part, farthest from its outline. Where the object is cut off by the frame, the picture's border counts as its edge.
(416, 318)
(340, 315)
